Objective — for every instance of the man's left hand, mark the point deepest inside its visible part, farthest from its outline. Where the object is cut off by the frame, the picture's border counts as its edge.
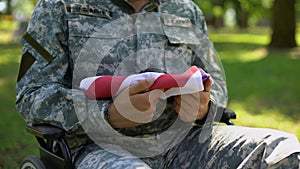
(195, 106)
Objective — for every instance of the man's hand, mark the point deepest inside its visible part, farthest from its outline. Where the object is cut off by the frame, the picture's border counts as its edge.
(133, 106)
(191, 107)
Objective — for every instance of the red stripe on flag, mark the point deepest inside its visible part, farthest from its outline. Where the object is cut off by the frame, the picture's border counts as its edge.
(167, 81)
(105, 87)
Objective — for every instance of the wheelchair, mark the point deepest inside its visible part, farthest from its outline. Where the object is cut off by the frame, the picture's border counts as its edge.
(55, 152)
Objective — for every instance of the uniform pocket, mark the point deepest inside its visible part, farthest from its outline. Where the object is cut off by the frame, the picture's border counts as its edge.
(86, 20)
(86, 26)
(180, 30)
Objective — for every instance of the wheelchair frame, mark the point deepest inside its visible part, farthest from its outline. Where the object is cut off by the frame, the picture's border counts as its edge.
(48, 135)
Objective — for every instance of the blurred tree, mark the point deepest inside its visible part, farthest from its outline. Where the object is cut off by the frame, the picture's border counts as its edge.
(283, 24)
(251, 12)
(218, 13)
(206, 7)
(8, 7)
(19, 5)
(246, 12)
(214, 11)
(298, 11)
(242, 13)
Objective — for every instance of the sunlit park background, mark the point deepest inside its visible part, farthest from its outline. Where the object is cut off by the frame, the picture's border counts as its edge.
(259, 54)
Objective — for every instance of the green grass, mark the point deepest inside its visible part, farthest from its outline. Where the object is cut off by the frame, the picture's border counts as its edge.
(264, 89)
(14, 143)
(264, 85)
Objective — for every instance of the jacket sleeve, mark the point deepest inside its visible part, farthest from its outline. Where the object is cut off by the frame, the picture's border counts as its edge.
(207, 57)
(44, 92)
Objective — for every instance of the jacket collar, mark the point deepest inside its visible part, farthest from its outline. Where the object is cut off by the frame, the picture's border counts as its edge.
(151, 6)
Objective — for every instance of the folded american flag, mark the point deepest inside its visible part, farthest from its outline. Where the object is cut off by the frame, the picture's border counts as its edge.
(104, 87)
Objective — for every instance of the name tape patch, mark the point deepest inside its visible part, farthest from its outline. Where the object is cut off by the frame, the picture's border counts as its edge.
(89, 10)
(178, 21)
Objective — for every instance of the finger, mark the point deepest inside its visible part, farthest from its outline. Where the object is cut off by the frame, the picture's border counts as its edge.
(204, 97)
(140, 101)
(186, 113)
(176, 107)
(203, 108)
(154, 96)
(176, 103)
(196, 96)
(188, 103)
(140, 86)
(191, 100)
(146, 101)
(207, 84)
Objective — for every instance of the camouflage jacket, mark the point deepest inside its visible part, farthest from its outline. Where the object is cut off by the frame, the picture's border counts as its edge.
(68, 40)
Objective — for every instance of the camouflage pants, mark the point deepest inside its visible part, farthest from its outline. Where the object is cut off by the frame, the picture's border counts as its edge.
(227, 147)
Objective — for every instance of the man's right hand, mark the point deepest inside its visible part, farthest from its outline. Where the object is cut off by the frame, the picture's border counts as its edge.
(133, 106)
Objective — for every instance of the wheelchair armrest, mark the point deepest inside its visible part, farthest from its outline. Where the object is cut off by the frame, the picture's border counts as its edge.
(227, 115)
(45, 131)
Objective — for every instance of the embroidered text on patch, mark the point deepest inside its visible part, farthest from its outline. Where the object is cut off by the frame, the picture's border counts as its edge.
(178, 21)
(89, 10)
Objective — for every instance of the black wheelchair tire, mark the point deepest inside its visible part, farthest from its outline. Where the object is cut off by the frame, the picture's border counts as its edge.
(32, 162)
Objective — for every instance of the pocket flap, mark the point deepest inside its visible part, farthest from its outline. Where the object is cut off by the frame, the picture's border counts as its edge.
(180, 30)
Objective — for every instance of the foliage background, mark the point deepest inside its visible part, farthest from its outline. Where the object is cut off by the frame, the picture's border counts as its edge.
(263, 84)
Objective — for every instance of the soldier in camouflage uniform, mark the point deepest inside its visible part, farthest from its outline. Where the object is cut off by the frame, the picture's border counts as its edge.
(68, 40)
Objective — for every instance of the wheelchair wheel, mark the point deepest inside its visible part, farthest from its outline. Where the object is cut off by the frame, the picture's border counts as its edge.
(32, 162)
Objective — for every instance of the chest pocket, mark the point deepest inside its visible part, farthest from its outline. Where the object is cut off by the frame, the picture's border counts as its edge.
(91, 39)
(84, 20)
(180, 30)
(186, 40)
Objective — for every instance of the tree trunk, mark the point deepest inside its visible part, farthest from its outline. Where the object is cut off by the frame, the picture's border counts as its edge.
(283, 24)
(218, 20)
(9, 7)
(242, 15)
